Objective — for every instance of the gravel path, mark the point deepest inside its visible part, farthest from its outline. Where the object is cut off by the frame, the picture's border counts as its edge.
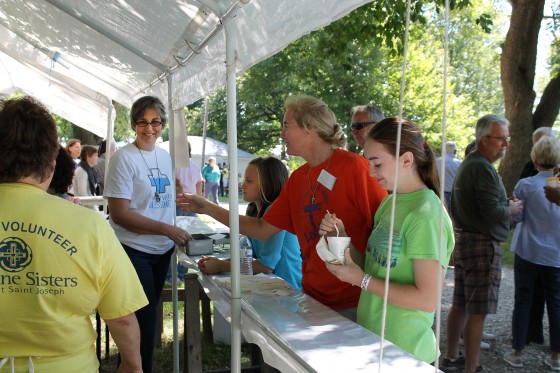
(499, 324)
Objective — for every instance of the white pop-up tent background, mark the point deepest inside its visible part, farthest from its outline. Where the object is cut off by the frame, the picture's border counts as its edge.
(216, 149)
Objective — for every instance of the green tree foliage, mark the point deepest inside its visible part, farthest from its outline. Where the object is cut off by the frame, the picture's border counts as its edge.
(122, 131)
(355, 61)
(63, 129)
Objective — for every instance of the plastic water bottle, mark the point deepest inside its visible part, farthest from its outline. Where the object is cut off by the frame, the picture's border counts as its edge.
(246, 256)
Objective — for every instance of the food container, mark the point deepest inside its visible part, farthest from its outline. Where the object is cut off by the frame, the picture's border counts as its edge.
(552, 182)
(200, 244)
(220, 238)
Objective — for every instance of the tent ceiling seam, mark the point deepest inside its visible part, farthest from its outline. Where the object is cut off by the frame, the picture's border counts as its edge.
(94, 26)
(183, 62)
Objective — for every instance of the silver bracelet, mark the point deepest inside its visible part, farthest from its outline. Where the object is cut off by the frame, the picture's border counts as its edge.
(365, 282)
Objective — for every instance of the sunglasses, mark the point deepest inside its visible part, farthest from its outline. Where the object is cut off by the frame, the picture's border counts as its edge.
(358, 126)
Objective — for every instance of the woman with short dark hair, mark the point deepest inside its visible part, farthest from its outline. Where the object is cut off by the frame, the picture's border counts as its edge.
(141, 195)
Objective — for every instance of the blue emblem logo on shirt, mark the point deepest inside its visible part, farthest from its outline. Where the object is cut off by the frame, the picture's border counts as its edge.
(15, 254)
(160, 180)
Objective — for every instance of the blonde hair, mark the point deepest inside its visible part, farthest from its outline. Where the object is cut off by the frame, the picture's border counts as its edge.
(313, 114)
(546, 152)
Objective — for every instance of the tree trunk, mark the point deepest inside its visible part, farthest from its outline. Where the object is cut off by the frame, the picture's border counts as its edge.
(518, 64)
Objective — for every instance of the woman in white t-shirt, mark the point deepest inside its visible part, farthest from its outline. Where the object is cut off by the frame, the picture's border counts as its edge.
(141, 194)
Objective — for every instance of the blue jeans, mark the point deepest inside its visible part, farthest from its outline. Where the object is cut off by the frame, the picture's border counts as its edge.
(151, 270)
(526, 275)
(447, 197)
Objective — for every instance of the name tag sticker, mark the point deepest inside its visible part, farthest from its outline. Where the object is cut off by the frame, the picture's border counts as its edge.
(326, 179)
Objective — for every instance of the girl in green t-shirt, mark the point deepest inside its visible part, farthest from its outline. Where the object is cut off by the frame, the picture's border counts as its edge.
(417, 262)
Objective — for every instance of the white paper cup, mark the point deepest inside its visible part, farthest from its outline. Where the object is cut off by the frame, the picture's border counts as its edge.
(552, 182)
(337, 246)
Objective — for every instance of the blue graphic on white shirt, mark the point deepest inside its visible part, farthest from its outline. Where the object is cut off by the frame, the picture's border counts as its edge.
(159, 180)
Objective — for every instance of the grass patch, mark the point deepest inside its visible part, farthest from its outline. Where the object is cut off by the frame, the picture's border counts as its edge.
(214, 356)
(507, 256)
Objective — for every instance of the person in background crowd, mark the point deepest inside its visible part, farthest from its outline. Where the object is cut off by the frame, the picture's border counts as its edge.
(485, 335)
(264, 179)
(100, 167)
(537, 255)
(482, 217)
(74, 148)
(60, 279)
(530, 169)
(535, 330)
(190, 181)
(333, 179)
(239, 182)
(141, 195)
(225, 180)
(416, 263)
(63, 176)
(451, 166)
(221, 182)
(470, 148)
(211, 175)
(85, 177)
(363, 118)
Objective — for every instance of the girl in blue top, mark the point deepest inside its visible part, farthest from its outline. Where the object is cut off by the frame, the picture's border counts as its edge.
(264, 179)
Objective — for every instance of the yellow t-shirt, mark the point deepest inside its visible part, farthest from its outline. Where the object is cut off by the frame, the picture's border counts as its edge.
(59, 262)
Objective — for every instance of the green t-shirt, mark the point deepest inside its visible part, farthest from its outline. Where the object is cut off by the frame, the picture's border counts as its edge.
(415, 236)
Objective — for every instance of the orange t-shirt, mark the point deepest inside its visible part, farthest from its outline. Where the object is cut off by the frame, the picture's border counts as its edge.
(354, 198)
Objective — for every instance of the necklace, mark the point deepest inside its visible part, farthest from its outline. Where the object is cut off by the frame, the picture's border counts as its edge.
(156, 194)
(314, 190)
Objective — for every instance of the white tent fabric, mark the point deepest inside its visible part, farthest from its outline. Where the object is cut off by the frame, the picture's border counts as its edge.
(123, 49)
(29, 72)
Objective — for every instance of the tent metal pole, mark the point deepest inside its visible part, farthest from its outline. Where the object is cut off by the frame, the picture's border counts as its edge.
(233, 197)
(229, 13)
(204, 126)
(108, 145)
(174, 292)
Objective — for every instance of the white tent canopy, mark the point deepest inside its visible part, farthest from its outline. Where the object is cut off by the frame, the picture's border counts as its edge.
(29, 71)
(124, 49)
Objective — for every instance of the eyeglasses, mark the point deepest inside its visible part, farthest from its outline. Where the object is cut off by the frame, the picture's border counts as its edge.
(358, 126)
(502, 139)
(153, 123)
